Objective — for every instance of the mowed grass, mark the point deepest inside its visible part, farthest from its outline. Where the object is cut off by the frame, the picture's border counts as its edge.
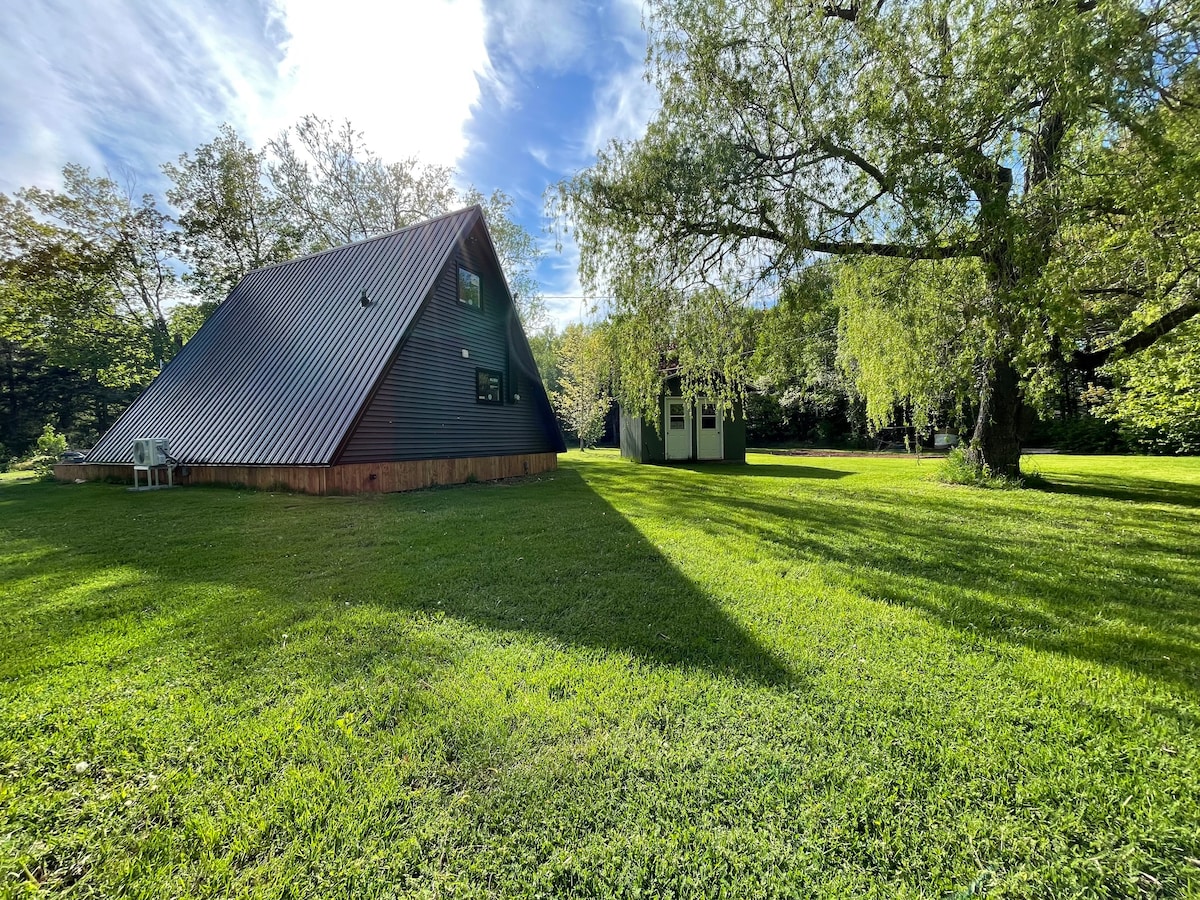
(798, 677)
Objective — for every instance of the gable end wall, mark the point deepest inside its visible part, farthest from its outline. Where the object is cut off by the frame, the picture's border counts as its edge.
(425, 407)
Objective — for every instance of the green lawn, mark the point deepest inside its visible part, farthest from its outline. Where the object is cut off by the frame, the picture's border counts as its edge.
(799, 677)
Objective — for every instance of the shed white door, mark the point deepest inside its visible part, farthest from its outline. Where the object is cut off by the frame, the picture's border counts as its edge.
(677, 416)
(710, 439)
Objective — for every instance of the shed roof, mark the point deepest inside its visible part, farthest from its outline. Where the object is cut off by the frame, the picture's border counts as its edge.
(292, 354)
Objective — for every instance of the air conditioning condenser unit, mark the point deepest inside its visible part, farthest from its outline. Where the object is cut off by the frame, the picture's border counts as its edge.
(148, 452)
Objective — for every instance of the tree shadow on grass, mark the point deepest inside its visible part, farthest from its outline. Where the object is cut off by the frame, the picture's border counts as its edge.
(1113, 584)
(761, 470)
(1136, 490)
(230, 573)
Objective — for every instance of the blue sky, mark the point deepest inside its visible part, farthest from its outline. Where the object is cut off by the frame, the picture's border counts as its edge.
(517, 94)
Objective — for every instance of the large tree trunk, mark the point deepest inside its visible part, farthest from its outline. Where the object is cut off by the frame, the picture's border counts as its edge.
(996, 441)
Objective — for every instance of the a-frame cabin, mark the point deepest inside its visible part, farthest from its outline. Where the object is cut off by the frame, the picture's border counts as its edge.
(390, 364)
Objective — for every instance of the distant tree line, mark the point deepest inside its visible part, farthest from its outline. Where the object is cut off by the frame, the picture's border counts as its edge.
(100, 286)
(803, 366)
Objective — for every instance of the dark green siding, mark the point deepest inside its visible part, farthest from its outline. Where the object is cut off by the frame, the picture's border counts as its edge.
(426, 408)
(631, 437)
(640, 441)
(734, 428)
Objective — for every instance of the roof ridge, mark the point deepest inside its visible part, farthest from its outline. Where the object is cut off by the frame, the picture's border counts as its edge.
(374, 237)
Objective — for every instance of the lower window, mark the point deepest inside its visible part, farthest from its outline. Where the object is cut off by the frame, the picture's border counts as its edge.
(488, 386)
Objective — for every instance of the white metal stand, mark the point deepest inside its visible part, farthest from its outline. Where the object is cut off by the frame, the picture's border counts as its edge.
(153, 479)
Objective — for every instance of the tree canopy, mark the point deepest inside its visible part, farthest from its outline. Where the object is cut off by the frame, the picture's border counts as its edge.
(960, 158)
(231, 218)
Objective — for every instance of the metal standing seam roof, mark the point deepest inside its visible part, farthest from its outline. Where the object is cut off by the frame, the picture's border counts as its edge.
(279, 372)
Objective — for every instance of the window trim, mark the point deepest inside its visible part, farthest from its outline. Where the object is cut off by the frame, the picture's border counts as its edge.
(490, 374)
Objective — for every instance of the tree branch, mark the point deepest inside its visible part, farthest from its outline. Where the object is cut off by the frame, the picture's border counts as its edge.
(962, 250)
(1089, 361)
(835, 248)
(848, 155)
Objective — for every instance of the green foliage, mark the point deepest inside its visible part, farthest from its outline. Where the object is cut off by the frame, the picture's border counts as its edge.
(797, 418)
(796, 339)
(706, 338)
(1155, 400)
(127, 244)
(766, 421)
(798, 677)
(59, 297)
(1124, 274)
(802, 393)
(909, 336)
(544, 344)
(70, 349)
(47, 452)
(582, 398)
(1084, 433)
(711, 337)
(186, 318)
(639, 347)
(957, 468)
(233, 221)
(51, 443)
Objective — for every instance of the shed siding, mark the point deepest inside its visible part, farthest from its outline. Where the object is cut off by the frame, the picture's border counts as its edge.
(426, 408)
(735, 435)
(631, 437)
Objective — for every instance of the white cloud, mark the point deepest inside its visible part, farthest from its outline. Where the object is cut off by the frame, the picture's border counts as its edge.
(547, 35)
(405, 74)
(133, 84)
(531, 38)
(129, 85)
(624, 105)
(540, 155)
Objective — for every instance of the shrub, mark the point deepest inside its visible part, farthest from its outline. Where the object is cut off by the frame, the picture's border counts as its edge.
(51, 443)
(957, 469)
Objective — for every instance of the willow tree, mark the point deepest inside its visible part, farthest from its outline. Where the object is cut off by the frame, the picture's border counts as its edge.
(924, 134)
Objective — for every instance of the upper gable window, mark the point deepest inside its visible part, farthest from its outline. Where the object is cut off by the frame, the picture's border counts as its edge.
(468, 288)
